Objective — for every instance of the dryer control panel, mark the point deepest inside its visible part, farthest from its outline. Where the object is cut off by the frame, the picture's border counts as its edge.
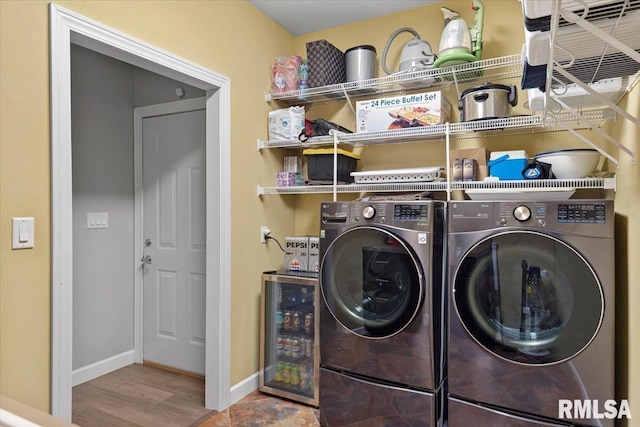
(582, 213)
(577, 216)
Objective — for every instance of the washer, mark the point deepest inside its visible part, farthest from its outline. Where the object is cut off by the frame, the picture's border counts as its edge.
(382, 350)
(531, 317)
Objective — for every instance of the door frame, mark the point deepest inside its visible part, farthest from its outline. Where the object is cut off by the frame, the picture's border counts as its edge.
(67, 27)
(139, 114)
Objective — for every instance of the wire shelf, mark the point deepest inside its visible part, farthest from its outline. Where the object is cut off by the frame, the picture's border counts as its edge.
(489, 69)
(474, 129)
(541, 184)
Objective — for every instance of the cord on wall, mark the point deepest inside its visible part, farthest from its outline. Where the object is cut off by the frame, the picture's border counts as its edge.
(276, 240)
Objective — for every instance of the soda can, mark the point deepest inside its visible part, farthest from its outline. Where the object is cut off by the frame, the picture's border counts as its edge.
(286, 346)
(295, 374)
(308, 348)
(304, 377)
(296, 348)
(280, 345)
(308, 323)
(279, 319)
(286, 373)
(286, 322)
(297, 321)
(279, 370)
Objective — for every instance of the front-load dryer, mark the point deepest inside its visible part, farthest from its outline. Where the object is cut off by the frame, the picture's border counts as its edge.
(531, 316)
(381, 315)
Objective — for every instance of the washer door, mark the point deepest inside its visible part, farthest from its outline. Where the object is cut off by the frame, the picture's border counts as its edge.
(371, 282)
(528, 298)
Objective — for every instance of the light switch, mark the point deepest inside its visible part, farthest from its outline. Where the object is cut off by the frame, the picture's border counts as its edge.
(97, 219)
(23, 232)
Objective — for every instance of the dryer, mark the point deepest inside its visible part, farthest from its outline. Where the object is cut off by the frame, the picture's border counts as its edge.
(531, 316)
(382, 349)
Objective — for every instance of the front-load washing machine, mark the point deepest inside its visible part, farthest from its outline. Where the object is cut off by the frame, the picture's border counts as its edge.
(531, 317)
(381, 315)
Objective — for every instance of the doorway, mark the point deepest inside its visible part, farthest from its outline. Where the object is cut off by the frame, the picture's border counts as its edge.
(169, 165)
(70, 28)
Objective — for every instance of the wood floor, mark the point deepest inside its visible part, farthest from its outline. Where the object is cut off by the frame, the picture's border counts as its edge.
(140, 395)
(147, 396)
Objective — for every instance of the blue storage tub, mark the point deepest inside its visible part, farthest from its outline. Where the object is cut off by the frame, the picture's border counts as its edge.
(508, 165)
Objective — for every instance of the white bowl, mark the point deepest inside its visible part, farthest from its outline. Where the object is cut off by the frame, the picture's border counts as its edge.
(570, 164)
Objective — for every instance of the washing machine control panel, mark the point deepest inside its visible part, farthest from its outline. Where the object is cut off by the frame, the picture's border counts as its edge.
(409, 212)
(582, 213)
(522, 213)
(369, 212)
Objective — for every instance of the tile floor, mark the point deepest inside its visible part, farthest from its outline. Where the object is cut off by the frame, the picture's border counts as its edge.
(262, 410)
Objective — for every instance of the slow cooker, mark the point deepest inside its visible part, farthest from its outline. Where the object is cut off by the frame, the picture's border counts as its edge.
(487, 101)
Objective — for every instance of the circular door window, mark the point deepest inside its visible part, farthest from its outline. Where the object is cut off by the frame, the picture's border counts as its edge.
(371, 282)
(528, 298)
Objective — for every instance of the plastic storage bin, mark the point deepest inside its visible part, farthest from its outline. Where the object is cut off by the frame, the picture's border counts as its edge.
(320, 164)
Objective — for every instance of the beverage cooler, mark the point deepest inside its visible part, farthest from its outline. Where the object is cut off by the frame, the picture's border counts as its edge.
(289, 354)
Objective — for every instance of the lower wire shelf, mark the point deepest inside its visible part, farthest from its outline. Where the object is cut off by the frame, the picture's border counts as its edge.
(542, 184)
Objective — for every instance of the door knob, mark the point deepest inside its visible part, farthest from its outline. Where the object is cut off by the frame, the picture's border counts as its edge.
(146, 259)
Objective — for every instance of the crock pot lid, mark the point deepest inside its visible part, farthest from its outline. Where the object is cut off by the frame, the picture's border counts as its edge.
(486, 86)
(364, 46)
(568, 150)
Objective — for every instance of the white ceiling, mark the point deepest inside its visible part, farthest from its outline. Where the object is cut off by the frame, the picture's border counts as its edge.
(305, 16)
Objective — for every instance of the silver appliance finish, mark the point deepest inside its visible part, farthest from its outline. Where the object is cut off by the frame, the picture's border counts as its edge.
(381, 316)
(531, 310)
(360, 63)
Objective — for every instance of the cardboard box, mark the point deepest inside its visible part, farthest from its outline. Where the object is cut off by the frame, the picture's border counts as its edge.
(314, 254)
(292, 164)
(480, 155)
(469, 170)
(288, 179)
(399, 112)
(296, 254)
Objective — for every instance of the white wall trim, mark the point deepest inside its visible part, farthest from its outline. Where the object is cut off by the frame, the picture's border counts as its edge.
(102, 367)
(68, 27)
(139, 114)
(245, 387)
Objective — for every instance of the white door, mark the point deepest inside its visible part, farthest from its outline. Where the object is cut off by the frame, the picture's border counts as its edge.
(173, 167)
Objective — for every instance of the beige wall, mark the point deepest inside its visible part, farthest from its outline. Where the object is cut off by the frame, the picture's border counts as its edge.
(229, 37)
(233, 38)
(503, 35)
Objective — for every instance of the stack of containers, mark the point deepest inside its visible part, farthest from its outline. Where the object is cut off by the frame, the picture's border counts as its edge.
(292, 174)
(301, 253)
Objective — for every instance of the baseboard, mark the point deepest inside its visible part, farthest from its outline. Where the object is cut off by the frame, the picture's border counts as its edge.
(244, 388)
(238, 391)
(102, 367)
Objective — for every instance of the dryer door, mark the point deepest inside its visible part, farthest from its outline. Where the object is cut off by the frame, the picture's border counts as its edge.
(528, 297)
(371, 281)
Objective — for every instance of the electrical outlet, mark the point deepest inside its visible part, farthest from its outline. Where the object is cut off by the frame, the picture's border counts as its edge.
(264, 232)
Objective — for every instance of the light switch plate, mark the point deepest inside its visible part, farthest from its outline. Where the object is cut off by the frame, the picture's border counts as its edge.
(23, 231)
(97, 219)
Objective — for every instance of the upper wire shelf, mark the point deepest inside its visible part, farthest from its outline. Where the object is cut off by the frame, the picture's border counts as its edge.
(488, 69)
